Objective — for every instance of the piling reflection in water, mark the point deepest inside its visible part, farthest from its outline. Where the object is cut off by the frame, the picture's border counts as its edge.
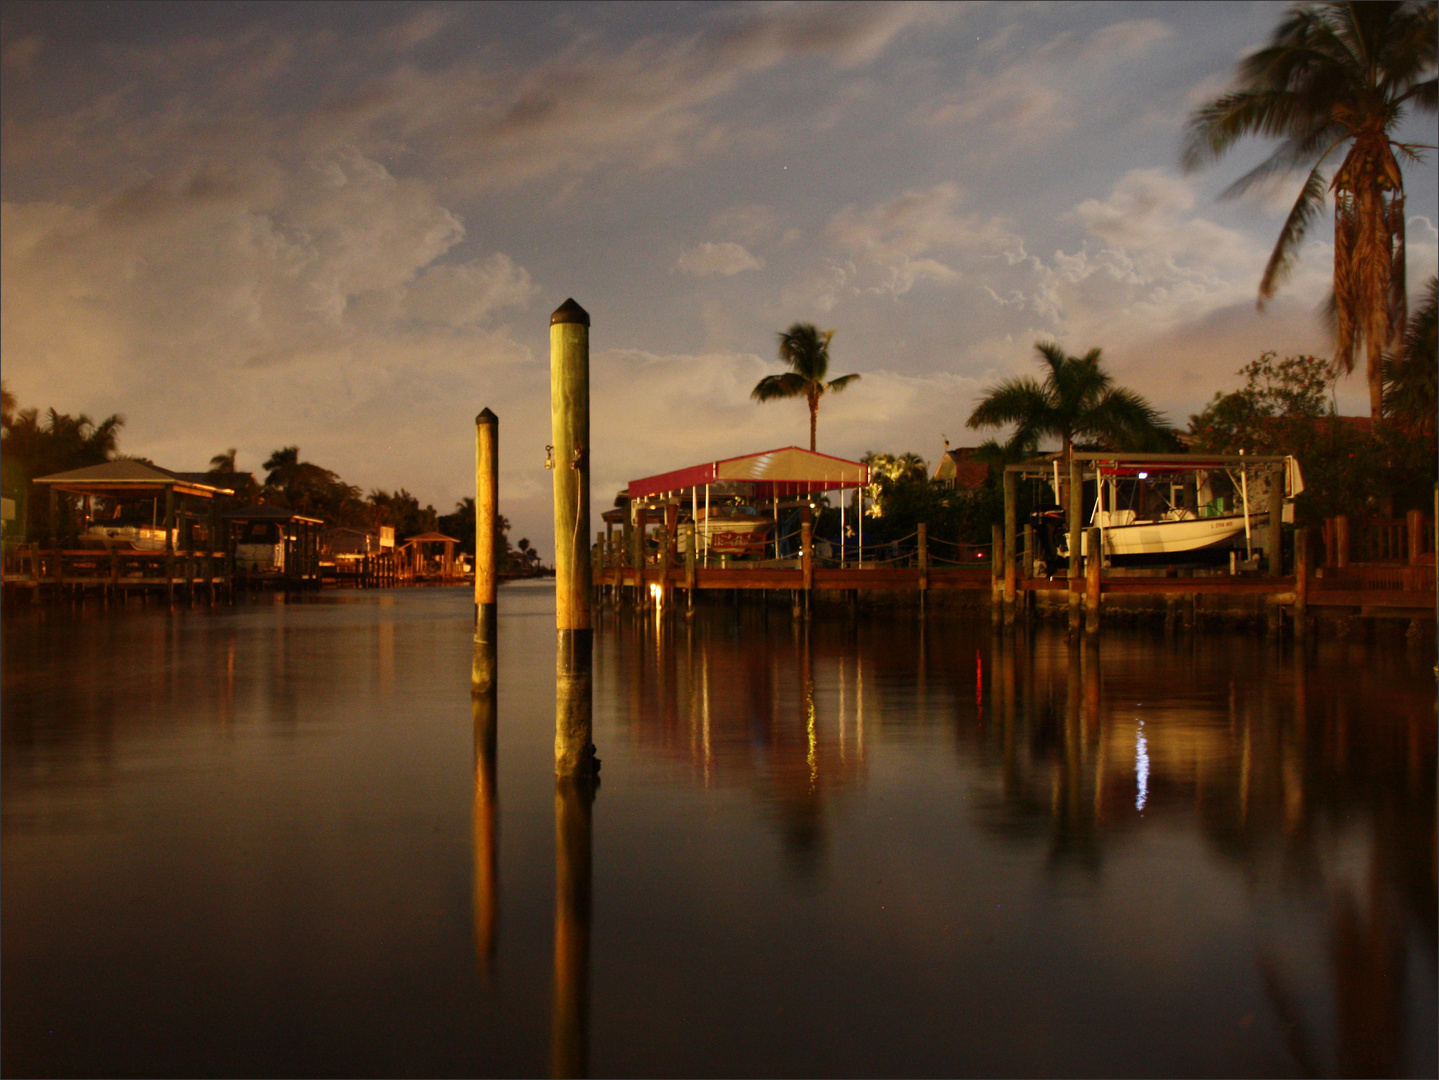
(574, 804)
(483, 706)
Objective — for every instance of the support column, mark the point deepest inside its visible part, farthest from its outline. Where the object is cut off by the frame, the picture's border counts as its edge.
(570, 426)
(806, 554)
(923, 565)
(996, 571)
(1341, 542)
(1011, 516)
(487, 508)
(1301, 582)
(1093, 564)
(1076, 526)
(691, 569)
(170, 543)
(1276, 520)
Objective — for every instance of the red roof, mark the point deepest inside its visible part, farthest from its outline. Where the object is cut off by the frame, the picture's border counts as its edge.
(786, 471)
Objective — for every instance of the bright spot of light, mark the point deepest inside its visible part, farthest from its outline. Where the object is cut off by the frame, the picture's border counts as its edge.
(1141, 768)
(657, 594)
(1144, 476)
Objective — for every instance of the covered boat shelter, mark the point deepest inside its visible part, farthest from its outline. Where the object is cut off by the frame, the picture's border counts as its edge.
(189, 526)
(787, 474)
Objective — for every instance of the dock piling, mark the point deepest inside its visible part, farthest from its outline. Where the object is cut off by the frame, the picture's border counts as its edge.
(570, 427)
(487, 485)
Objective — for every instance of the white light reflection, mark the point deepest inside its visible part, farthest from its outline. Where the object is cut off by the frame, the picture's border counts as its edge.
(1141, 767)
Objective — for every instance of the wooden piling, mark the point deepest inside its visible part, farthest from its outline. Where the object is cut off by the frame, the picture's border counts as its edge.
(1276, 520)
(1093, 564)
(487, 509)
(923, 531)
(1341, 541)
(1076, 525)
(1301, 581)
(1011, 513)
(691, 571)
(996, 580)
(806, 554)
(570, 427)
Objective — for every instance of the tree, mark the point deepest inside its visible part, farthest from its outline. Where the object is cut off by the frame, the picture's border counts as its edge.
(307, 488)
(1411, 377)
(806, 350)
(31, 447)
(223, 462)
(1335, 75)
(1076, 401)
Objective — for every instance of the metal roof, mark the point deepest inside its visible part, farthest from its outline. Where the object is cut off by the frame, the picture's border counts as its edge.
(127, 475)
(786, 471)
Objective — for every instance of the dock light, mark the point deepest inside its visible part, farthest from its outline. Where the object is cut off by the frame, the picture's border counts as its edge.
(1144, 476)
(657, 594)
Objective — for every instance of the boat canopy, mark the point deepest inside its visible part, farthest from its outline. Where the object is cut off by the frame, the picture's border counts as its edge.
(785, 472)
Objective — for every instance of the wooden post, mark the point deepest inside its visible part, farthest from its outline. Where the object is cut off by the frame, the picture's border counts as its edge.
(1276, 520)
(806, 554)
(1301, 581)
(570, 426)
(1341, 541)
(1093, 563)
(691, 571)
(996, 571)
(923, 564)
(1076, 526)
(170, 543)
(1011, 514)
(627, 555)
(1415, 522)
(487, 509)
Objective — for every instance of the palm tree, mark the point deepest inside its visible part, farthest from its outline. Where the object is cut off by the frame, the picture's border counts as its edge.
(806, 351)
(1411, 376)
(223, 463)
(1336, 75)
(1076, 400)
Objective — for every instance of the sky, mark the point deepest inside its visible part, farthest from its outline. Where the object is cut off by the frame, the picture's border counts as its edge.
(344, 226)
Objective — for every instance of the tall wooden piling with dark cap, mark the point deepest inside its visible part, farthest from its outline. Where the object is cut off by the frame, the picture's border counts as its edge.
(570, 427)
(487, 488)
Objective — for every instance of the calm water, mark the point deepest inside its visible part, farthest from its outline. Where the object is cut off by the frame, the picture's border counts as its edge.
(250, 841)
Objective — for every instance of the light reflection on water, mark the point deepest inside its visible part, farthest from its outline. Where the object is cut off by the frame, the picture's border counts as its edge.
(282, 839)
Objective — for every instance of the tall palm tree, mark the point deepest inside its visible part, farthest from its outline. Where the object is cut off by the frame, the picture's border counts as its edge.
(1336, 76)
(806, 351)
(223, 463)
(1076, 401)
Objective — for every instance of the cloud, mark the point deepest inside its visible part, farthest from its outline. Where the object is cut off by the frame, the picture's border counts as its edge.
(1036, 92)
(726, 258)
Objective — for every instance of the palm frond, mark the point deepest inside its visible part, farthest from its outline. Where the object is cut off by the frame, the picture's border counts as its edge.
(774, 387)
(1286, 249)
(839, 384)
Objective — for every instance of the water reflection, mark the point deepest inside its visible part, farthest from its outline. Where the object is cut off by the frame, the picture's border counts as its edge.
(1308, 782)
(570, 1008)
(484, 710)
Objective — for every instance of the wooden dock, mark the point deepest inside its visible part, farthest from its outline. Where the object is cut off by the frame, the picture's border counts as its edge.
(1401, 586)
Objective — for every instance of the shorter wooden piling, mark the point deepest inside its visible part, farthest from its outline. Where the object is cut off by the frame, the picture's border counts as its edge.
(1093, 563)
(1301, 581)
(996, 586)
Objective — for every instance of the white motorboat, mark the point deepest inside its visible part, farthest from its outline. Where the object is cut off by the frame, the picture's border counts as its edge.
(732, 530)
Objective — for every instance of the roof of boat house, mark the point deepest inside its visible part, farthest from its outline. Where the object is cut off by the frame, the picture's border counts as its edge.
(261, 512)
(430, 538)
(127, 476)
(786, 471)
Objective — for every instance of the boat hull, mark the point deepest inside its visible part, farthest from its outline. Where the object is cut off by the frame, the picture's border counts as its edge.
(1166, 537)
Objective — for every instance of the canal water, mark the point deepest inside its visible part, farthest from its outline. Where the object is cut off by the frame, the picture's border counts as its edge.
(262, 840)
